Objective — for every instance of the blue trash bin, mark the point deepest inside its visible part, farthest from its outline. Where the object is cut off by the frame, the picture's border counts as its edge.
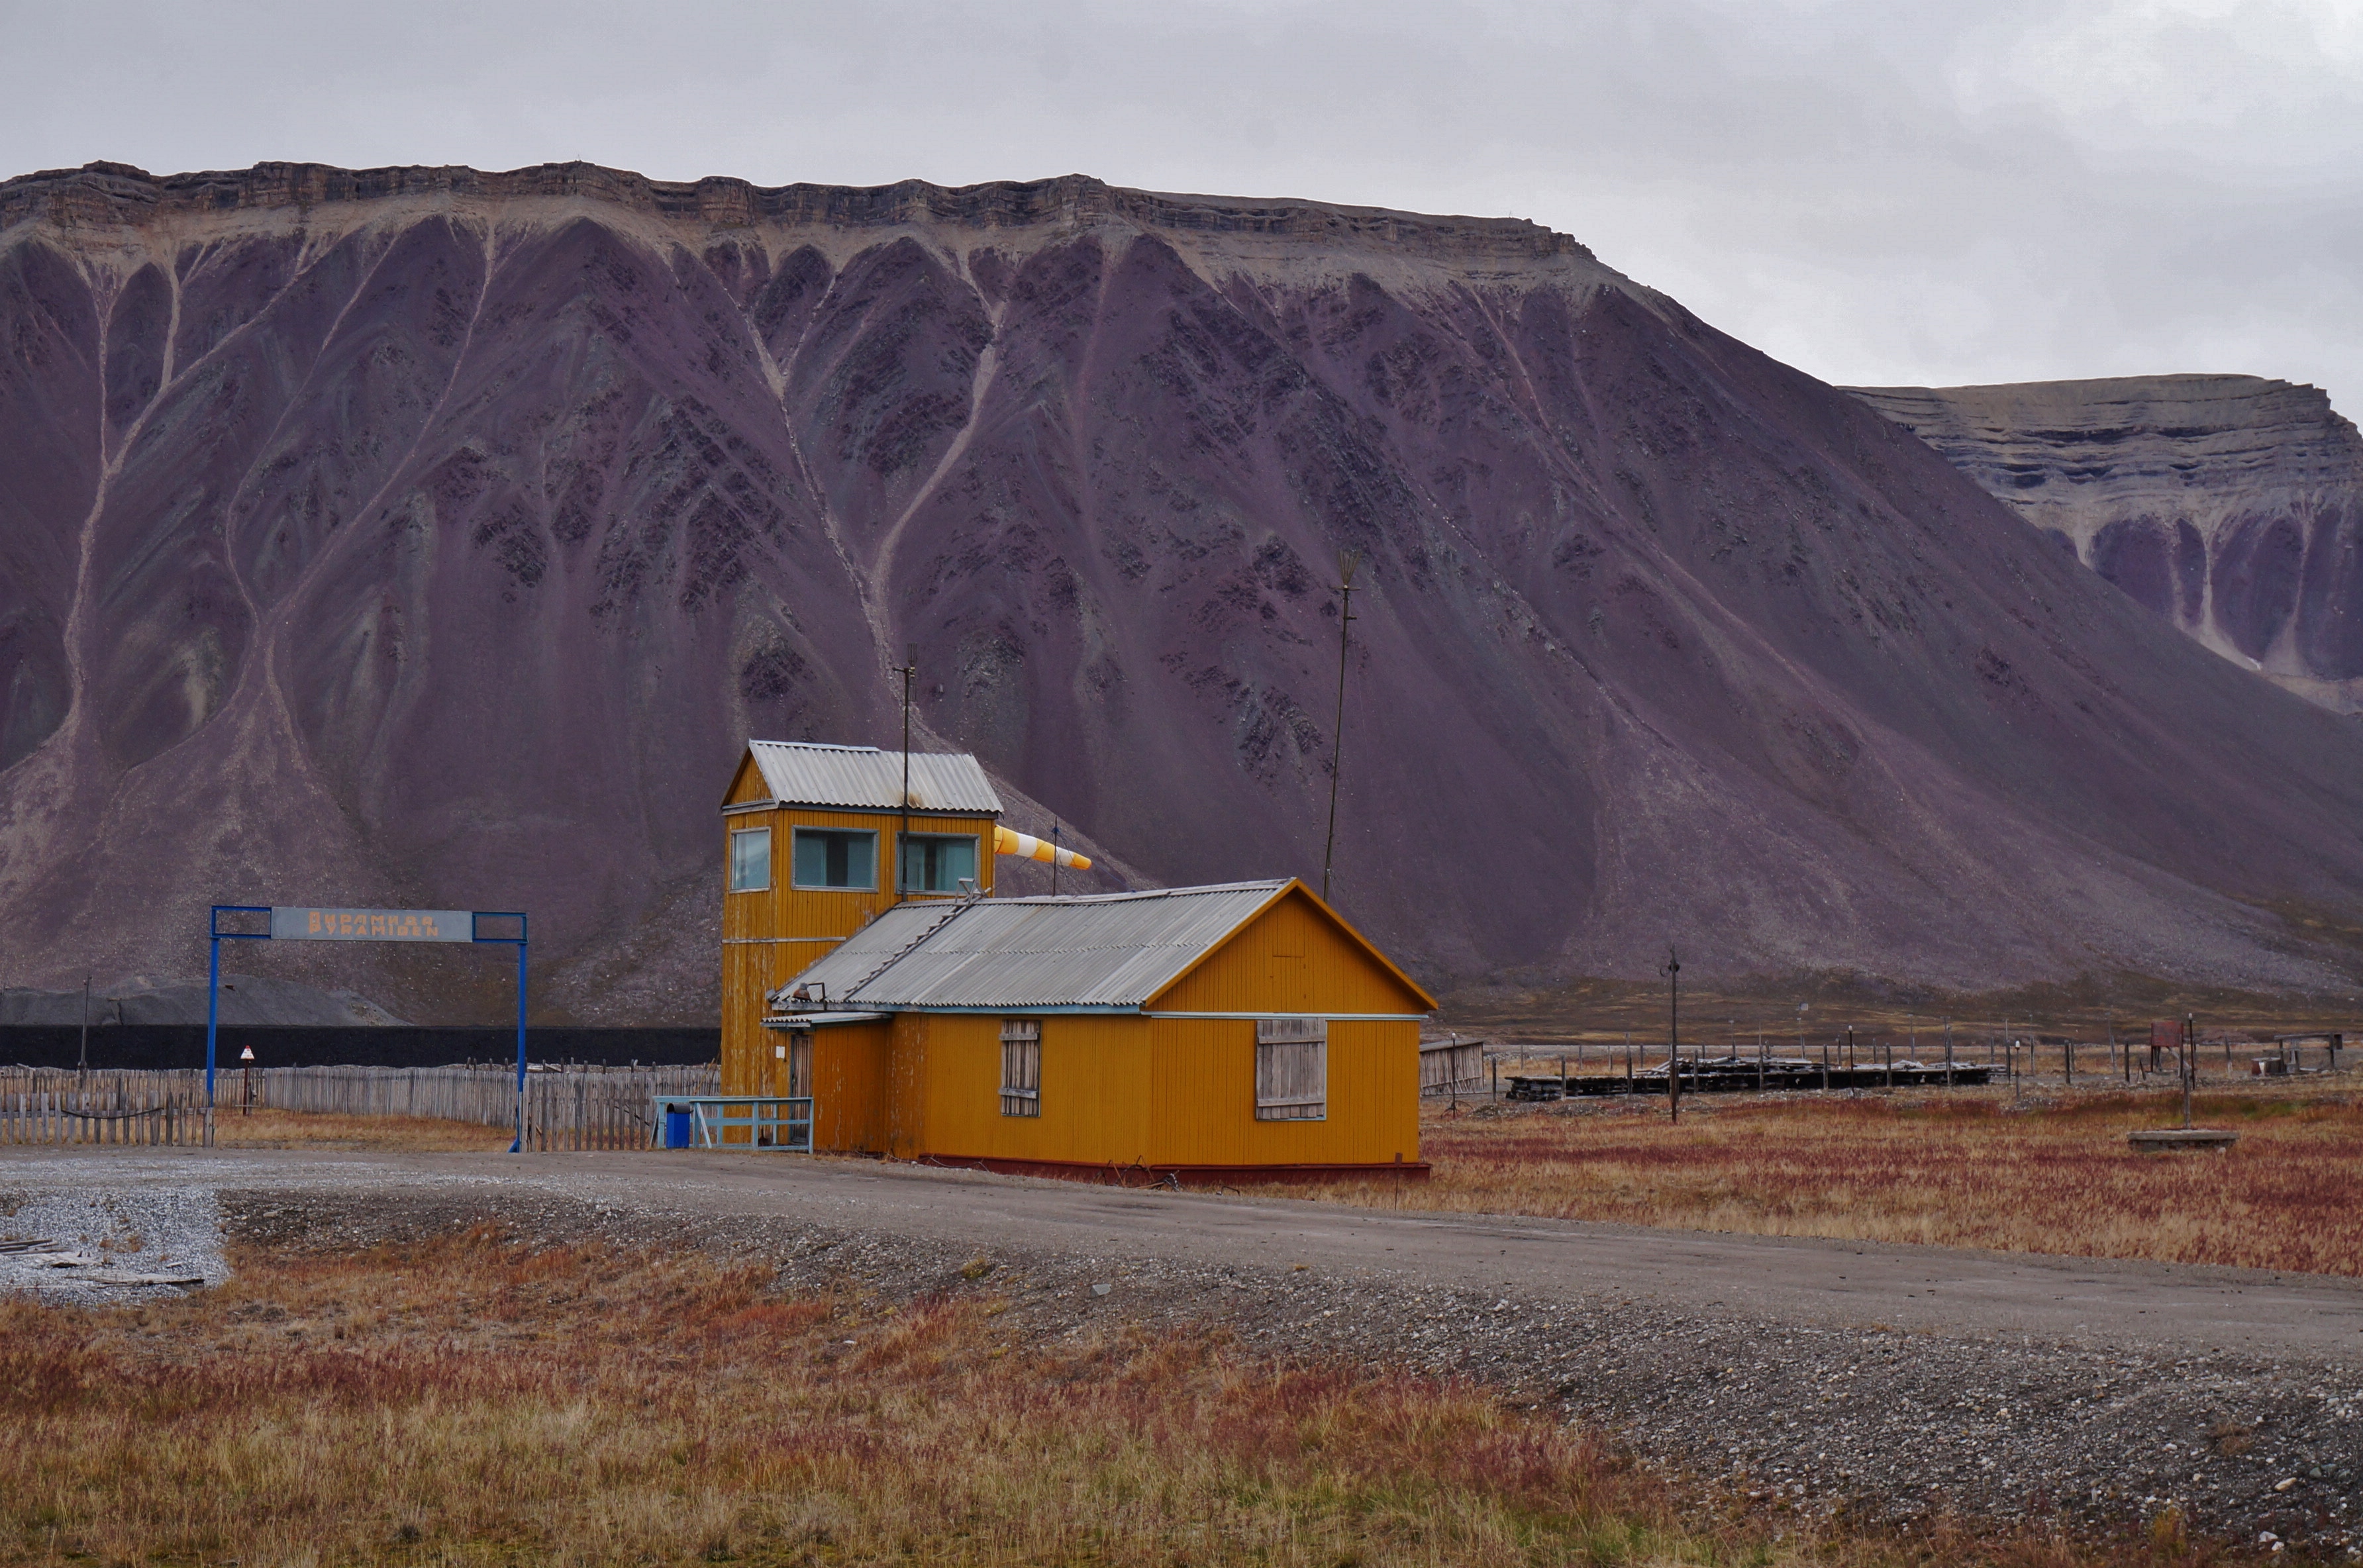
(676, 1128)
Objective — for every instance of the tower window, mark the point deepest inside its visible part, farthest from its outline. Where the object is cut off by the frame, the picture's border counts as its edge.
(1021, 1066)
(937, 863)
(1291, 1069)
(831, 857)
(750, 860)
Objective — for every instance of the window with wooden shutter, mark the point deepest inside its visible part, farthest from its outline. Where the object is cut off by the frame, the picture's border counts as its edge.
(1291, 1069)
(1021, 1066)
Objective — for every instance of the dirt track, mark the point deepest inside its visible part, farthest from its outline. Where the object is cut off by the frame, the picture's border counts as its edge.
(1902, 1377)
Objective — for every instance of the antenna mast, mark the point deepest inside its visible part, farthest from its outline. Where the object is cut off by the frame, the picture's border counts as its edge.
(1346, 561)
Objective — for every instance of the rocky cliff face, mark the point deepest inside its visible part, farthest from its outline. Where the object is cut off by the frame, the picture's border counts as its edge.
(429, 536)
(2231, 506)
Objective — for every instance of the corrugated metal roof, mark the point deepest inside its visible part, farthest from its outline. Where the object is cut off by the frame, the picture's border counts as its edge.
(1116, 950)
(804, 773)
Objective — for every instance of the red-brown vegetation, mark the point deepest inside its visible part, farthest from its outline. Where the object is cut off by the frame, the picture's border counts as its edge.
(1963, 1169)
(467, 1402)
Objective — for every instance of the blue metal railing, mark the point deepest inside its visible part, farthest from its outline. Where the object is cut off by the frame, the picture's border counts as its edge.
(774, 1123)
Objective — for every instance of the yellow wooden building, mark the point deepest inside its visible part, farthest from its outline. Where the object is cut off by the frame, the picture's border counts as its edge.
(1209, 1033)
(810, 834)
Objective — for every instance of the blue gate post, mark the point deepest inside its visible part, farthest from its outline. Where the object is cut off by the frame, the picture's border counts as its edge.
(519, 1146)
(475, 931)
(213, 1014)
(214, 937)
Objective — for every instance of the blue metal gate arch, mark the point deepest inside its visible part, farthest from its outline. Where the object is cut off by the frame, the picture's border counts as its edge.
(303, 925)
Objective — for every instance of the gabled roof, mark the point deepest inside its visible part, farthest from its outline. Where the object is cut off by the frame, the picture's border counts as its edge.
(805, 773)
(1114, 951)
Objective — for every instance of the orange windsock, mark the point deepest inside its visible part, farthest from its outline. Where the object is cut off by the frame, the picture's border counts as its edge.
(1027, 845)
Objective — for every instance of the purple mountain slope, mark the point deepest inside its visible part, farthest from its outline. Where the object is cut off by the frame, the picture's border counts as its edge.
(423, 535)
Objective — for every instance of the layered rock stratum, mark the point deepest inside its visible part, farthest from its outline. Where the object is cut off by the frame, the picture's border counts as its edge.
(425, 537)
(2231, 506)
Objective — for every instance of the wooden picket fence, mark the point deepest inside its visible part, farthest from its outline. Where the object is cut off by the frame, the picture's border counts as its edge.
(567, 1107)
(128, 1109)
(610, 1110)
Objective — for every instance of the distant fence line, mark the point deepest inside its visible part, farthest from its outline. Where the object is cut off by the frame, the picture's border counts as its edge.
(113, 1046)
(570, 1108)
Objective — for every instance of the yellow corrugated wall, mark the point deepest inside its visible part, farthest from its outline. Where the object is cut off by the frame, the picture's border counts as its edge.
(1291, 958)
(1202, 1085)
(1096, 1096)
(1124, 1090)
(849, 1062)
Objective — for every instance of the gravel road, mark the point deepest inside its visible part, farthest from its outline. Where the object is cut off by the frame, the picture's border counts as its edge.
(1895, 1379)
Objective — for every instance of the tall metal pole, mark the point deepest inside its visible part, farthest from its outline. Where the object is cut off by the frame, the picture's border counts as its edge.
(519, 1145)
(82, 1062)
(1346, 561)
(212, 1017)
(903, 844)
(1054, 856)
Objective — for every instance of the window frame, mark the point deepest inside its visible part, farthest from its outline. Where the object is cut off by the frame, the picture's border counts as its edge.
(903, 859)
(765, 885)
(1283, 1042)
(1019, 1098)
(799, 830)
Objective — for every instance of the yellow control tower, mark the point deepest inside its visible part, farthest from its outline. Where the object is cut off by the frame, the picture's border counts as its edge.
(818, 839)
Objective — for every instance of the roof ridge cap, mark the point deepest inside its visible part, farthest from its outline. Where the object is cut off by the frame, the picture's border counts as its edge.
(826, 746)
(1265, 883)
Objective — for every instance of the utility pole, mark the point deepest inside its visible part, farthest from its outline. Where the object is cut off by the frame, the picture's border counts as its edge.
(1054, 856)
(81, 1063)
(1673, 973)
(2189, 1060)
(909, 670)
(1346, 561)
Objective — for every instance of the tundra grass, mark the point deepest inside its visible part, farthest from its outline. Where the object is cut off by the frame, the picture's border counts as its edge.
(1953, 1169)
(463, 1402)
(264, 1128)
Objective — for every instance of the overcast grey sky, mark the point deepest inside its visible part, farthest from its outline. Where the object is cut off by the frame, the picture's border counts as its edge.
(1876, 193)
